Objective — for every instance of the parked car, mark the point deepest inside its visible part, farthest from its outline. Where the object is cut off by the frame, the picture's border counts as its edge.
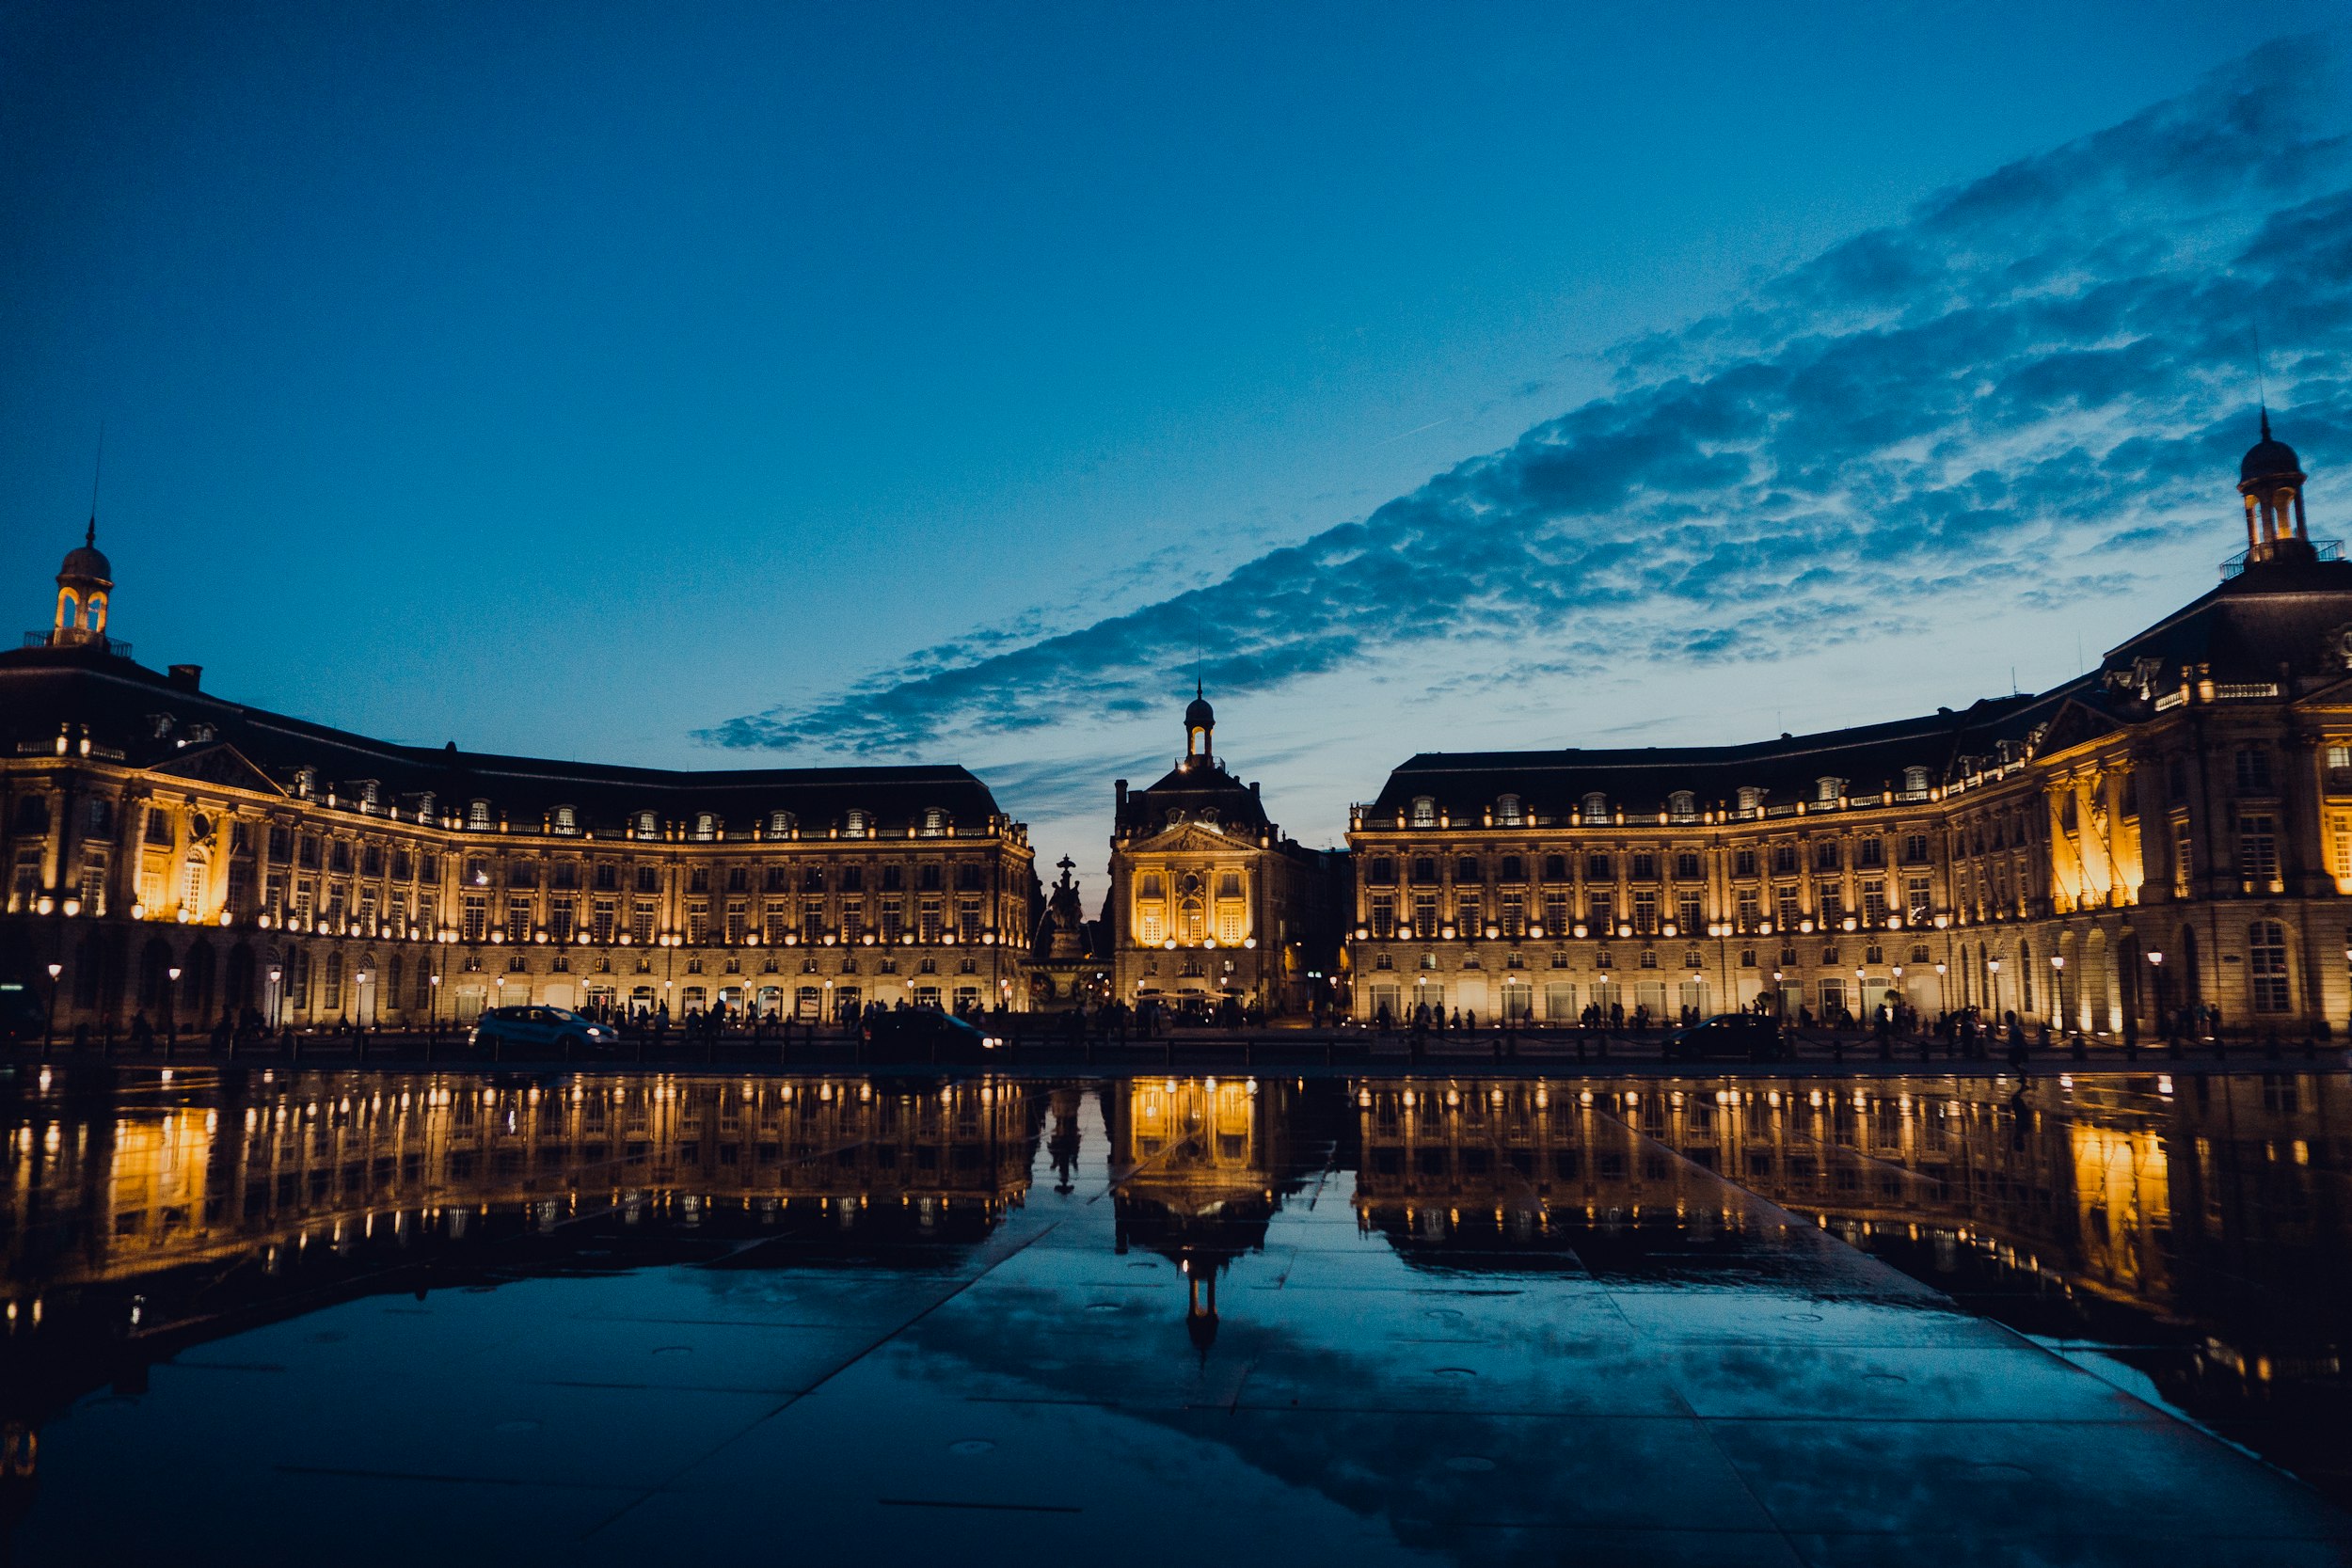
(926, 1035)
(1740, 1036)
(556, 1029)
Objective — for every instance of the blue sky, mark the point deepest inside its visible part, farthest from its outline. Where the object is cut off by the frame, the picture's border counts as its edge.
(790, 384)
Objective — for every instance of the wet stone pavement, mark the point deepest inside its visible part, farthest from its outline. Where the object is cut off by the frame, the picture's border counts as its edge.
(399, 1317)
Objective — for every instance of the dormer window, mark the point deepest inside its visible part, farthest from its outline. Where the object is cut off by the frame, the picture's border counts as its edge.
(1826, 789)
(1682, 806)
(306, 782)
(856, 825)
(1507, 811)
(1751, 798)
(478, 816)
(1596, 808)
(566, 821)
(648, 825)
(1208, 816)
(706, 826)
(1915, 781)
(779, 824)
(367, 789)
(425, 806)
(934, 823)
(1425, 811)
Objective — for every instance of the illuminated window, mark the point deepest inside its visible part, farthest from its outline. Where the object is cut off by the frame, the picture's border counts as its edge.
(1425, 811)
(2266, 965)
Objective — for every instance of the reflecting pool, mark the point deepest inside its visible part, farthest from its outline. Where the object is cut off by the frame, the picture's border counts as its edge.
(379, 1317)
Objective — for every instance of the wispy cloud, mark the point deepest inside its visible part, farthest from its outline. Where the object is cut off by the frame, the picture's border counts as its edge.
(1979, 399)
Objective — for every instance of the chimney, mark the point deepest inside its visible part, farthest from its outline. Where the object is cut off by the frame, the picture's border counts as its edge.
(186, 676)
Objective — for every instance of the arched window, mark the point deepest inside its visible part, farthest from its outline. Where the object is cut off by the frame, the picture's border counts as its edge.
(854, 825)
(1507, 811)
(1425, 811)
(1682, 806)
(706, 825)
(97, 618)
(1751, 799)
(1826, 789)
(70, 608)
(566, 821)
(1189, 927)
(779, 824)
(1915, 781)
(478, 816)
(1596, 808)
(648, 826)
(935, 822)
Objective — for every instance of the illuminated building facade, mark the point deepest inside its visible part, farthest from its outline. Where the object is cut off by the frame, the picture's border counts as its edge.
(316, 875)
(1210, 902)
(2172, 828)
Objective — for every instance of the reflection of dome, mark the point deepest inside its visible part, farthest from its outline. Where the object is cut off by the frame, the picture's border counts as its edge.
(2268, 457)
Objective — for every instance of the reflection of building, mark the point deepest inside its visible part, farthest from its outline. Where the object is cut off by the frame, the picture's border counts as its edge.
(1209, 900)
(2212, 1201)
(120, 1217)
(318, 876)
(1200, 1159)
(2176, 825)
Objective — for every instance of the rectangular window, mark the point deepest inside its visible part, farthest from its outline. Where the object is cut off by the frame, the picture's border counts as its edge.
(738, 922)
(1601, 912)
(1751, 909)
(1644, 867)
(2254, 771)
(968, 921)
(159, 826)
(2266, 965)
(776, 919)
(1871, 851)
(1919, 901)
(1874, 901)
(1644, 908)
(1228, 884)
(1914, 849)
(641, 922)
(1829, 902)
(2183, 863)
(517, 920)
(1743, 863)
(475, 920)
(2340, 849)
(1152, 920)
(1560, 1002)
(1688, 914)
(604, 917)
(1686, 864)
(1555, 915)
(1513, 914)
(2258, 852)
(1229, 923)
(1425, 914)
(928, 917)
(561, 913)
(1786, 912)
(1597, 868)
(1383, 915)
(893, 918)
(1466, 915)
(697, 922)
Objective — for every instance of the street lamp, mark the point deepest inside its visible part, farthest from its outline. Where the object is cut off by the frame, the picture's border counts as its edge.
(433, 1006)
(2057, 985)
(367, 996)
(49, 1027)
(171, 1026)
(277, 1017)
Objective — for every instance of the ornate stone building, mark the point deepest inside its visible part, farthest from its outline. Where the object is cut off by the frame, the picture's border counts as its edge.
(2172, 828)
(1209, 900)
(176, 854)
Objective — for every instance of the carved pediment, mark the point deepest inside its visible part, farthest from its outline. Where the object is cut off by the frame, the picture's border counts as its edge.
(1191, 838)
(218, 763)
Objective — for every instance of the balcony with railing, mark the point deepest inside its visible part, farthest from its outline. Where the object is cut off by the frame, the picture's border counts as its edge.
(112, 645)
(2327, 549)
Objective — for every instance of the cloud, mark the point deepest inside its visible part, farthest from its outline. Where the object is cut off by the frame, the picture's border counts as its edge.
(1964, 405)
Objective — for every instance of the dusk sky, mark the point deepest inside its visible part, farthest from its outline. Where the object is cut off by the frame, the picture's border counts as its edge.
(727, 387)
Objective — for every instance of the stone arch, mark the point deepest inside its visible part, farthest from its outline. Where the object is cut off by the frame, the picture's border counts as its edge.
(2098, 986)
(194, 1005)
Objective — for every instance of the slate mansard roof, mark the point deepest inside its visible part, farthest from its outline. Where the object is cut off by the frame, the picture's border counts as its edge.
(2281, 628)
(120, 706)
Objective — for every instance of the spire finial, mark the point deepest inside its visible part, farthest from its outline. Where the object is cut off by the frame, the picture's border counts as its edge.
(1199, 692)
(2266, 422)
(98, 465)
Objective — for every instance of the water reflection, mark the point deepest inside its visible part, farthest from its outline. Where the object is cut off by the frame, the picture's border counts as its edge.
(2185, 1240)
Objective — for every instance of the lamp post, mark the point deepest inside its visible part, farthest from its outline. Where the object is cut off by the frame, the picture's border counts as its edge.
(277, 998)
(1942, 1002)
(171, 1025)
(2057, 985)
(49, 1027)
(2164, 1010)
(432, 1007)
